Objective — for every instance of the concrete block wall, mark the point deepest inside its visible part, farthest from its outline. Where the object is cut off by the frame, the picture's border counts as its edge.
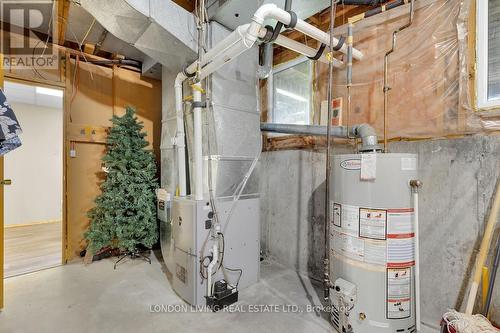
(459, 177)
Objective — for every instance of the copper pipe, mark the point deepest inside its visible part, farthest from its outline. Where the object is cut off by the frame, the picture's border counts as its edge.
(386, 70)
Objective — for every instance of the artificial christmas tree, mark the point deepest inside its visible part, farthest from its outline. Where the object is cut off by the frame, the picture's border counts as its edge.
(125, 212)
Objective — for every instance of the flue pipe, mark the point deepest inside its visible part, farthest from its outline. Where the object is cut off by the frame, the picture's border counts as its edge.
(367, 134)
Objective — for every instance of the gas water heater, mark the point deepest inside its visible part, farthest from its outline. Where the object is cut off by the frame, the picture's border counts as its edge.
(372, 241)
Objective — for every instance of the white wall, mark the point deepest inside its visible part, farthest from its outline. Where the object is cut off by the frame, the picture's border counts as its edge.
(36, 167)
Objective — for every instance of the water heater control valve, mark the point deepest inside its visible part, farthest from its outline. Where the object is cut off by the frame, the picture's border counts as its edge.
(346, 293)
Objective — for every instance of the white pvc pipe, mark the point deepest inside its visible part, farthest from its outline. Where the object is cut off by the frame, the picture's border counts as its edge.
(221, 48)
(274, 12)
(210, 268)
(417, 260)
(198, 144)
(305, 50)
(180, 138)
(230, 54)
(240, 40)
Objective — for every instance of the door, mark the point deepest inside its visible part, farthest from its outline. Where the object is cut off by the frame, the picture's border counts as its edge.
(33, 204)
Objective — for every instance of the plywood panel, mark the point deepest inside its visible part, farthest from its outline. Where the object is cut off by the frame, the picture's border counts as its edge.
(91, 100)
(144, 95)
(95, 94)
(84, 177)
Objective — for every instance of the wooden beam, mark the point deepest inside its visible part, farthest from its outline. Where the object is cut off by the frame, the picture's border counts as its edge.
(186, 4)
(89, 48)
(62, 20)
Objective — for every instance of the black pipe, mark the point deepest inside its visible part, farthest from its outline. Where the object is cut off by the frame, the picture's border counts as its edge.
(124, 62)
(380, 9)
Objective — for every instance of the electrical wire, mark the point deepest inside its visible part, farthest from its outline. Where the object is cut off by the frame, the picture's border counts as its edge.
(221, 265)
(88, 31)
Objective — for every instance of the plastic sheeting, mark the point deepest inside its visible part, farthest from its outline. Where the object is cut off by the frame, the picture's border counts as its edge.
(428, 73)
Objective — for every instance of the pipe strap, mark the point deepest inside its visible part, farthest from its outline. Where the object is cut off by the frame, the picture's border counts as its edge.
(268, 38)
(185, 72)
(198, 105)
(319, 53)
(339, 44)
(293, 20)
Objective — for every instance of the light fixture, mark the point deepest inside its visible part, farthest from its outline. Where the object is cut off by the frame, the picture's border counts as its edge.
(291, 95)
(49, 91)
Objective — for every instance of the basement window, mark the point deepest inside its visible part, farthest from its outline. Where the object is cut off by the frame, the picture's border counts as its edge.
(488, 53)
(292, 92)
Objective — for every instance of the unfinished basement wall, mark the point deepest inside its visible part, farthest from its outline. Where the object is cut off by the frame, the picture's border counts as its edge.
(459, 177)
(430, 76)
(93, 95)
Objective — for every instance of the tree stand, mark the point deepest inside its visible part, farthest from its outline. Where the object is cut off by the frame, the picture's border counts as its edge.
(135, 254)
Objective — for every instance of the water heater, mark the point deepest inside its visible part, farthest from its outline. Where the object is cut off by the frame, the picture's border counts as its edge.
(372, 243)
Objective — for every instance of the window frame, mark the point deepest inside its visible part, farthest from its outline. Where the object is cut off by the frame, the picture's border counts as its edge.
(283, 67)
(482, 29)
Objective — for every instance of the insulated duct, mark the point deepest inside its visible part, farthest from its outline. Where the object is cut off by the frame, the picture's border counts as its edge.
(369, 140)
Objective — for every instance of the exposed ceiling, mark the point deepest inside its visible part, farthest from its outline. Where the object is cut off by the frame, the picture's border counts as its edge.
(80, 30)
(81, 23)
(232, 13)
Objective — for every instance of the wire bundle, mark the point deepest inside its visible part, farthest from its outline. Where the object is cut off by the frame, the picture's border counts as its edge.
(463, 323)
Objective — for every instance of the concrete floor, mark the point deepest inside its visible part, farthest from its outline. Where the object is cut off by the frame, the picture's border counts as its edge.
(95, 298)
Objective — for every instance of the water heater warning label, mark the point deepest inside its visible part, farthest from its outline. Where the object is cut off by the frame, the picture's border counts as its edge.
(372, 223)
(398, 293)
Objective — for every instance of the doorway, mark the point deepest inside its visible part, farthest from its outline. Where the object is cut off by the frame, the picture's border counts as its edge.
(33, 200)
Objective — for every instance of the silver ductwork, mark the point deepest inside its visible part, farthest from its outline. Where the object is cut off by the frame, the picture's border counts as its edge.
(232, 122)
(148, 26)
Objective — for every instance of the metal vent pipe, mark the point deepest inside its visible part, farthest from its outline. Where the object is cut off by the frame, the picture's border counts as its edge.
(367, 134)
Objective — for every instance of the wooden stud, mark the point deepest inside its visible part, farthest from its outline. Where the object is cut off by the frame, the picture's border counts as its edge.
(89, 48)
(186, 4)
(62, 20)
